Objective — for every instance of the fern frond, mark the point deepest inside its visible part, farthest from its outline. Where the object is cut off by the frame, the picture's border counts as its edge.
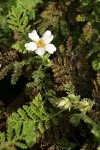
(18, 66)
(5, 70)
(21, 14)
(20, 47)
(50, 18)
(96, 64)
(27, 125)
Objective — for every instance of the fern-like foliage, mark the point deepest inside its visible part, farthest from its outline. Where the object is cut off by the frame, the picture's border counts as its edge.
(6, 61)
(52, 17)
(70, 67)
(64, 82)
(61, 67)
(6, 32)
(5, 70)
(83, 106)
(7, 57)
(21, 14)
(27, 125)
(96, 94)
(98, 78)
(18, 66)
(96, 64)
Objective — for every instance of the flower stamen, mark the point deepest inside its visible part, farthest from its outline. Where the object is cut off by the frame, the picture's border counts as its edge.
(40, 43)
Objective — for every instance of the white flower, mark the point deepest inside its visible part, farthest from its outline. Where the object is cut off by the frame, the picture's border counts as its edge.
(41, 45)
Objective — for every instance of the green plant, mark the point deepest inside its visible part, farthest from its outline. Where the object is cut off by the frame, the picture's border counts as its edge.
(68, 81)
(27, 125)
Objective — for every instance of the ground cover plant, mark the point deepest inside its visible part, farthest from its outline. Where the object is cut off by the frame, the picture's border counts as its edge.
(50, 74)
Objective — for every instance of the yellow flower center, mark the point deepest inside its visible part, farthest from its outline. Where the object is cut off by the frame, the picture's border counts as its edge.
(40, 44)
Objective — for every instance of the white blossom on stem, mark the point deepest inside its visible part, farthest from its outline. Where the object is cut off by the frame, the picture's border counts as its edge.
(40, 45)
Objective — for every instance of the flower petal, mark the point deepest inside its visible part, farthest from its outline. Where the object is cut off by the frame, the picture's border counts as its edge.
(50, 48)
(33, 35)
(40, 51)
(31, 46)
(47, 37)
